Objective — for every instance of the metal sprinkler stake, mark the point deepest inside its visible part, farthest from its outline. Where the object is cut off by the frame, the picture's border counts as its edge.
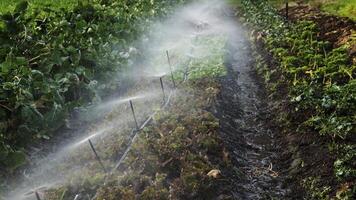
(134, 115)
(170, 67)
(185, 74)
(37, 195)
(162, 87)
(287, 7)
(97, 156)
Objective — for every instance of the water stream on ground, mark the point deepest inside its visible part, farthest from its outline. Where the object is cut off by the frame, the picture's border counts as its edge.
(244, 116)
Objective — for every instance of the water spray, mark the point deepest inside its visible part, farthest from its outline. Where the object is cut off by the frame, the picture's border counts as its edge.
(167, 96)
(134, 115)
(97, 156)
(163, 92)
(37, 195)
(170, 67)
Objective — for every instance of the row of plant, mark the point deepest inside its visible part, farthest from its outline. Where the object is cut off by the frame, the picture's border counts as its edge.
(178, 156)
(344, 8)
(320, 84)
(55, 60)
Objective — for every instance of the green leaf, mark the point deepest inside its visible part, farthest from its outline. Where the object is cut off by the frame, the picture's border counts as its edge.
(15, 159)
(3, 152)
(21, 61)
(5, 67)
(21, 7)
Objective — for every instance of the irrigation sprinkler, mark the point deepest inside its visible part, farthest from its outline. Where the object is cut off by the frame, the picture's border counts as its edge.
(77, 197)
(170, 67)
(134, 115)
(185, 73)
(37, 195)
(162, 87)
(97, 156)
(287, 7)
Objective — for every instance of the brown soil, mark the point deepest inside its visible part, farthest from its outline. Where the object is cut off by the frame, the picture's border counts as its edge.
(303, 153)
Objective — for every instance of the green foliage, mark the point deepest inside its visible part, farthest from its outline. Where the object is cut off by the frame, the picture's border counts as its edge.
(210, 65)
(205, 66)
(345, 8)
(53, 60)
(317, 191)
(13, 159)
(9, 6)
(319, 80)
(345, 164)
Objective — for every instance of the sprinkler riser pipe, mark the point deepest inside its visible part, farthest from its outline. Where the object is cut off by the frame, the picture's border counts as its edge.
(287, 11)
(37, 195)
(134, 115)
(170, 67)
(162, 87)
(97, 156)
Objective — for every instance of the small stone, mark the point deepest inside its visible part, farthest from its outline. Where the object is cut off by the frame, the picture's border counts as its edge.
(215, 173)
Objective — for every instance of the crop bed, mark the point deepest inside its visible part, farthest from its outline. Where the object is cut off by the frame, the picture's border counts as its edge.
(54, 61)
(178, 155)
(313, 88)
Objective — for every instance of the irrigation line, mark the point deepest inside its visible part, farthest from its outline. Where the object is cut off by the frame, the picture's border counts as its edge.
(134, 133)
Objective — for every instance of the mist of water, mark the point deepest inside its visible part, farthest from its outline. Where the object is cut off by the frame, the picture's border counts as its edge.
(175, 35)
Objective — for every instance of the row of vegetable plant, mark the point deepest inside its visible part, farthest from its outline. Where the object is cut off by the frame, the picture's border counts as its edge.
(320, 84)
(55, 60)
(179, 155)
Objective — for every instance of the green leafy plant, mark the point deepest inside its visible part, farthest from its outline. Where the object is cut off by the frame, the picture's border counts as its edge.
(53, 60)
(319, 81)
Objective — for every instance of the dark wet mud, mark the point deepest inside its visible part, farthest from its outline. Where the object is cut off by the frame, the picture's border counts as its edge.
(242, 108)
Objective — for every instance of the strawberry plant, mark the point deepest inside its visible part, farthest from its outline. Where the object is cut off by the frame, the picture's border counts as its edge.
(55, 60)
(319, 79)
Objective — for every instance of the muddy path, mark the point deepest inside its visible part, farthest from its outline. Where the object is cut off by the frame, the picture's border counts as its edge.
(245, 121)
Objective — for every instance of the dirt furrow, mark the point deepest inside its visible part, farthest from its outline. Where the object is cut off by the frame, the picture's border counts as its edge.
(244, 115)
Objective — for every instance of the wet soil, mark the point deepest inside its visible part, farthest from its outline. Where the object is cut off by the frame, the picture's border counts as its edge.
(302, 153)
(247, 128)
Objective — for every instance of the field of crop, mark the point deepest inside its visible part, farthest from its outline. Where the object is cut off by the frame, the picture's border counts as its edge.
(320, 87)
(156, 99)
(54, 61)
